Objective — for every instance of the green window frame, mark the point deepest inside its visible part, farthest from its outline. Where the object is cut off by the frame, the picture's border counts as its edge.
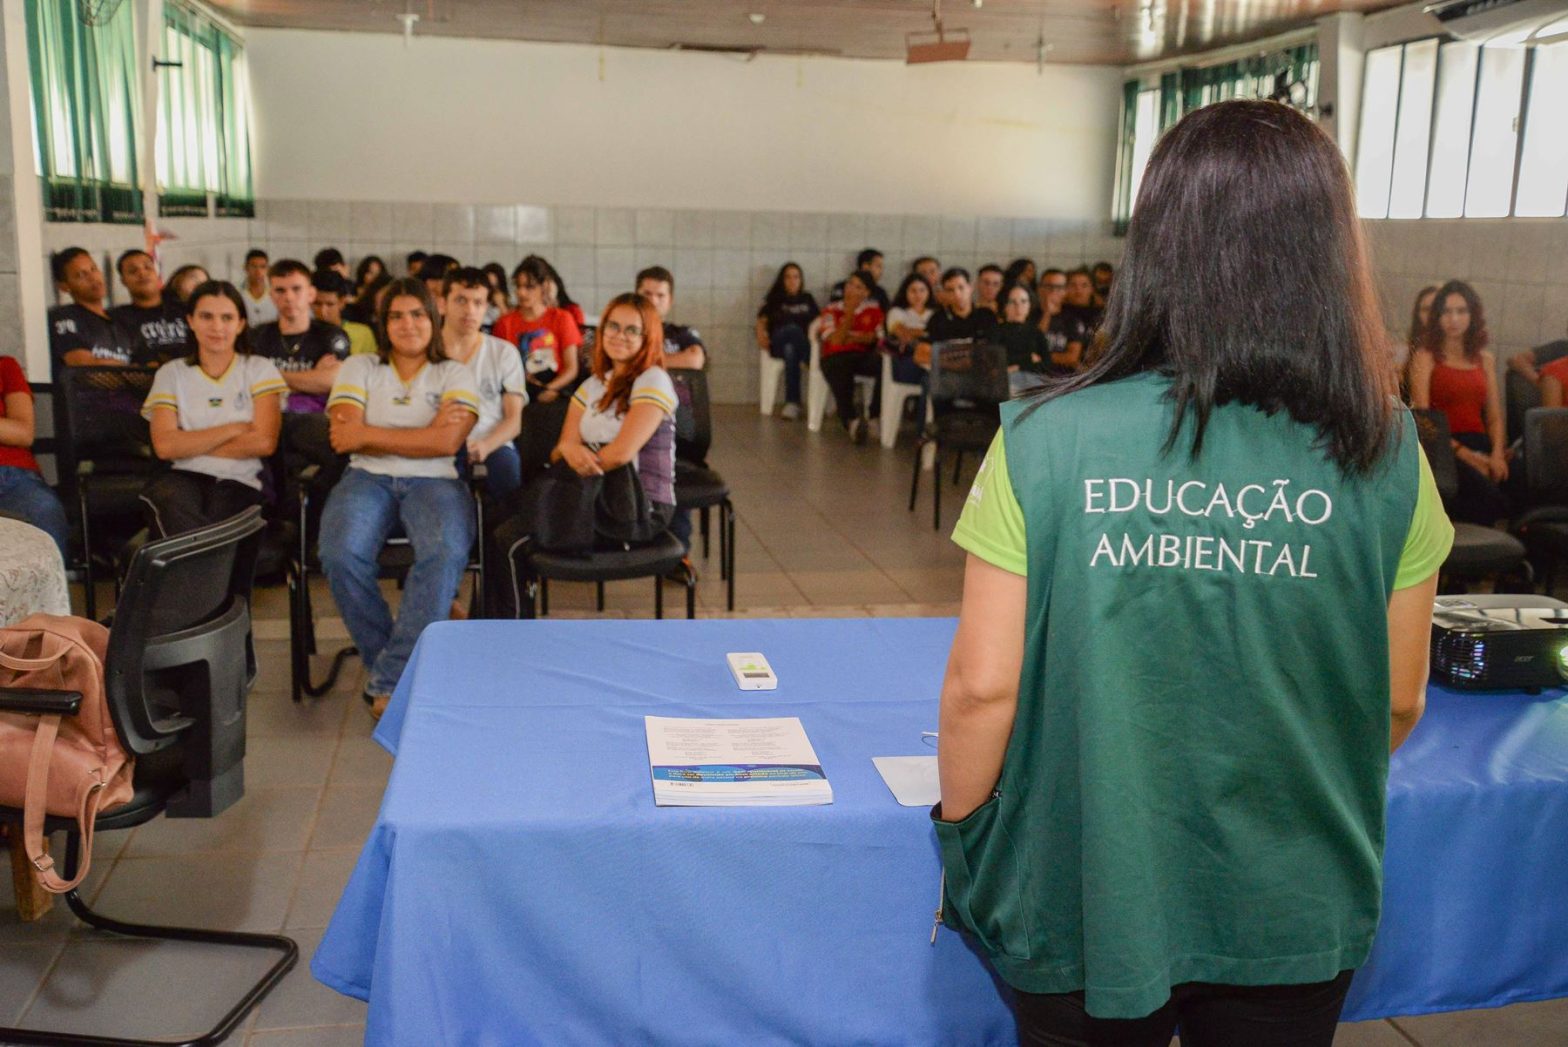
(203, 120)
(86, 115)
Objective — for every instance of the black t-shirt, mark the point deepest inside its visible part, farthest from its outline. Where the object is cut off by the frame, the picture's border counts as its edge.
(945, 325)
(1080, 322)
(1056, 334)
(73, 327)
(878, 295)
(1025, 344)
(678, 338)
(797, 309)
(300, 352)
(159, 329)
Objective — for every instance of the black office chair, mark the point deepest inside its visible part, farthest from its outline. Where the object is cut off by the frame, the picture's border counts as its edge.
(697, 485)
(661, 557)
(1544, 526)
(179, 665)
(396, 557)
(104, 456)
(1478, 551)
(967, 390)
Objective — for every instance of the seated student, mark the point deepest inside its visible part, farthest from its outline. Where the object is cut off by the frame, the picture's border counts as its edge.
(1028, 354)
(259, 308)
(906, 325)
(988, 289)
(626, 407)
(402, 415)
(848, 332)
(177, 292)
(363, 309)
(23, 491)
(499, 303)
(1452, 371)
(413, 263)
(157, 323)
(556, 297)
(1102, 275)
(1080, 316)
(1066, 354)
(546, 335)
(931, 270)
(329, 307)
(214, 415)
(870, 260)
(330, 258)
(958, 318)
(683, 346)
(498, 377)
(782, 322)
(1549, 377)
(370, 269)
(83, 334)
(308, 353)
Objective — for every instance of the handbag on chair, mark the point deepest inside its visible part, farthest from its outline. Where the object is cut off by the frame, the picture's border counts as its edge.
(570, 514)
(57, 760)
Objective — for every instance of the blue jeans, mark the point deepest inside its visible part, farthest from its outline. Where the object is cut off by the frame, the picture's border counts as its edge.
(790, 344)
(362, 512)
(504, 470)
(23, 493)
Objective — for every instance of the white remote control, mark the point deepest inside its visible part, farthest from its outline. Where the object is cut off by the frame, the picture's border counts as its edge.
(751, 671)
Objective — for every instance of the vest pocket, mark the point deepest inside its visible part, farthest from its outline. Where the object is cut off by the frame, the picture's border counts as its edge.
(984, 881)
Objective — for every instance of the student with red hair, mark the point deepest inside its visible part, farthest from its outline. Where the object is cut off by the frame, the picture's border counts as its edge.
(625, 412)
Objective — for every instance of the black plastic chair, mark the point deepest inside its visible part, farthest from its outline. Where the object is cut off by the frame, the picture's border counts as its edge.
(1478, 551)
(1544, 526)
(104, 455)
(1520, 394)
(968, 387)
(396, 557)
(697, 485)
(663, 556)
(179, 665)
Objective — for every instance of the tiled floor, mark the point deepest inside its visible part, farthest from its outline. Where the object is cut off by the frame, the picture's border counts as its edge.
(823, 531)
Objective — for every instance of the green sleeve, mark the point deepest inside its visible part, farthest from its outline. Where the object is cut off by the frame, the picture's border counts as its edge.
(992, 523)
(1430, 536)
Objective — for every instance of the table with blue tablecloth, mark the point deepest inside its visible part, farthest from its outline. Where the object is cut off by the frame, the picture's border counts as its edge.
(520, 886)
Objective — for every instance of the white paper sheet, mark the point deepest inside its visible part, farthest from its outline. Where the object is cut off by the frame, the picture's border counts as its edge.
(912, 779)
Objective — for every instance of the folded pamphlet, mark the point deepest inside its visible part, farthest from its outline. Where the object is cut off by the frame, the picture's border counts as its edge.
(767, 762)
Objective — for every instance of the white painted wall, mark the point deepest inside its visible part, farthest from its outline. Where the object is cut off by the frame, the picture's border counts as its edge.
(472, 121)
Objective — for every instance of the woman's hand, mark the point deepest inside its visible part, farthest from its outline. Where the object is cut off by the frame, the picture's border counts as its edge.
(1497, 467)
(547, 395)
(346, 433)
(479, 450)
(583, 461)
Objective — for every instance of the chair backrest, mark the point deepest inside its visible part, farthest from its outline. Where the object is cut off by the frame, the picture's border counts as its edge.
(968, 374)
(693, 415)
(97, 414)
(45, 442)
(1520, 394)
(1546, 455)
(1432, 427)
(180, 654)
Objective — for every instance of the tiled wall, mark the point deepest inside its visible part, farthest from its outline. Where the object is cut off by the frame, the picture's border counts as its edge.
(1518, 266)
(723, 261)
(10, 294)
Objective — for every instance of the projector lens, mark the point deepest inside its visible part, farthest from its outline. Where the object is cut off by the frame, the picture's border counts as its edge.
(1562, 661)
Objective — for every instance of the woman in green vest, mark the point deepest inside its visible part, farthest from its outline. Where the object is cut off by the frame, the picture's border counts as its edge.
(1195, 621)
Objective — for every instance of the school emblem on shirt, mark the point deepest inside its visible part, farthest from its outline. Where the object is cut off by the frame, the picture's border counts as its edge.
(214, 401)
(402, 400)
(489, 389)
(433, 401)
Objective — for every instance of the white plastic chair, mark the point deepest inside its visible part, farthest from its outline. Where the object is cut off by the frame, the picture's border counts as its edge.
(771, 370)
(894, 396)
(817, 385)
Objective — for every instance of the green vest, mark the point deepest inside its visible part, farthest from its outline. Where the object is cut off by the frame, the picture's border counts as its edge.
(1194, 786)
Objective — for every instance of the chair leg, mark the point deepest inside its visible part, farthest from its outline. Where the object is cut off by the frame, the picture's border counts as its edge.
(914, 484)
(302, 641)
(724, 512)
(658, 596)
(544, 597)
(936, 491)
(89, 583)
(691, 591)
(704, 519)
(287, 948)
(599, 586)
(729, 551)
(958, 466)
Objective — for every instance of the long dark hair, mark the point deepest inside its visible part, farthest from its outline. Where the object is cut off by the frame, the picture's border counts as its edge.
(362, 270)
(562, 299)
(215, 289)
(409, 287)
(1476, 335)
(1015, 271)
(1241, 195)
(901, 296)
(1417, 329)
(776, 293)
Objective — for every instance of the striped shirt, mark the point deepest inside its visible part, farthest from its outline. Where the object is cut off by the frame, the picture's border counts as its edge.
(655, 463)
(204, 402)
(391, 403)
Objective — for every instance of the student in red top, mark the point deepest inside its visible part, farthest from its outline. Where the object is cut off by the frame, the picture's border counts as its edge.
(23, 492)
(848, 331)
(1452, 372)
(555, 295)
(546, 336)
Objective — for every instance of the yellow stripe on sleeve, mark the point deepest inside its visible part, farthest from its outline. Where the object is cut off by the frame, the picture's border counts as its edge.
(656, 397)
(268, 388)
(349, 394)
(462, 397)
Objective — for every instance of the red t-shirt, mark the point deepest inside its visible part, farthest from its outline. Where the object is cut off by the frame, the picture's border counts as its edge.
(1557, 369)
(1460, 393)
(12, 380)
(867, 320)
(543, 342)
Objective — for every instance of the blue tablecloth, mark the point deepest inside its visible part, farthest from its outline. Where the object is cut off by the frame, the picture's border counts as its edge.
(520, 886)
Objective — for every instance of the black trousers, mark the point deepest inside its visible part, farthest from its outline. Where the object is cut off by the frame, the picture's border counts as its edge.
(179, 500)
(1479, 499)
(840, 370)
(1208, 1016)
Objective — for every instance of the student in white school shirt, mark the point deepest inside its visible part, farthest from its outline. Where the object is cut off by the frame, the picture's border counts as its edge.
(498, 370)
(214, 414)
(402, 415)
